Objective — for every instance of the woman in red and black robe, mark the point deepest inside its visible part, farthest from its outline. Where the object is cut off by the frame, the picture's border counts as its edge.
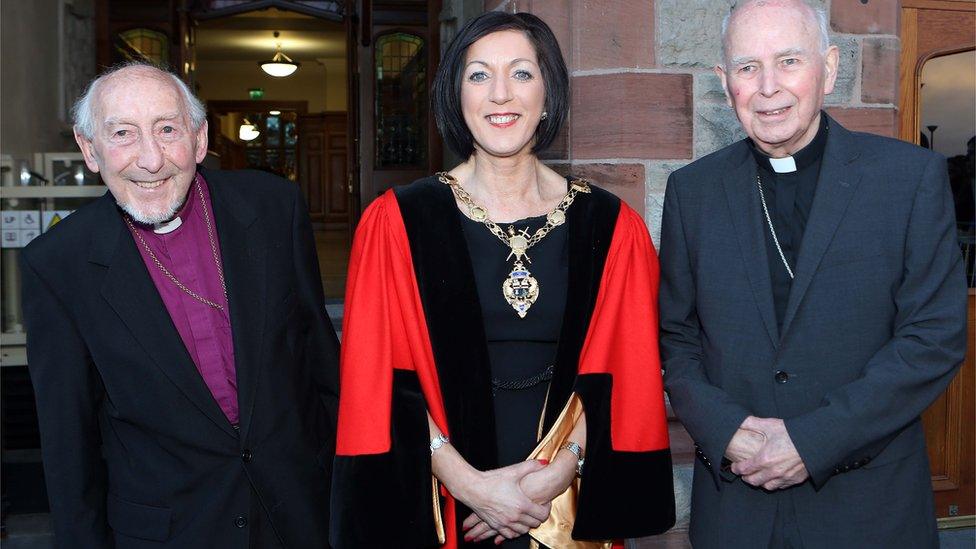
(431, 347)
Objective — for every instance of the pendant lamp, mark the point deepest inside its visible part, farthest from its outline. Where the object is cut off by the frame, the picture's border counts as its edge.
(280, 65)
(248, 131)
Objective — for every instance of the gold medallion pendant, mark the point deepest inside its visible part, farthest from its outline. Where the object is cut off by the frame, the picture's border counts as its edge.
(520, 289)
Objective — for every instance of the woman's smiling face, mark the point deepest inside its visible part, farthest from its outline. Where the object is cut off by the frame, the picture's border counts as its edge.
(502, 93)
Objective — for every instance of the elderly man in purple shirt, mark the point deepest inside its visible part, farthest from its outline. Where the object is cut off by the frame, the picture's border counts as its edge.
(184, 367)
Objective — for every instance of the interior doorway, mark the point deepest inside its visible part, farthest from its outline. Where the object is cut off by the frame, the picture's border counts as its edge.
(295, 126)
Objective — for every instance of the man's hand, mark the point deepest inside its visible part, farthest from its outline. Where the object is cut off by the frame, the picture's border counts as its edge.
(777, 465)
(745, 443)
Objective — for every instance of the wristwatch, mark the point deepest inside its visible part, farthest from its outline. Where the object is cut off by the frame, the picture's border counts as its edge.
(576, 449)
(437, 442)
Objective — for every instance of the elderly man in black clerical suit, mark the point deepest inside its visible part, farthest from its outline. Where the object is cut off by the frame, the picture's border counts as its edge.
(184, 366)
(812, 306)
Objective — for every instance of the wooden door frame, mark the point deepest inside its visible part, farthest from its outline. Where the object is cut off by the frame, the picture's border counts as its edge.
(955, 475)
(348, 17)
(911, 60)
(373, 26)
(356, 21)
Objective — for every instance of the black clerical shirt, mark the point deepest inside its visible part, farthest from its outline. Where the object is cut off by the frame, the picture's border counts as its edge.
(789, 198)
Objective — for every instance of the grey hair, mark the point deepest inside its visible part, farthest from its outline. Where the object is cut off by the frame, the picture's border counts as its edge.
(819, 13)
(83, 111)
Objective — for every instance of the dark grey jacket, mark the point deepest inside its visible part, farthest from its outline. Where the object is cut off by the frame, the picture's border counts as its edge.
(873, 332)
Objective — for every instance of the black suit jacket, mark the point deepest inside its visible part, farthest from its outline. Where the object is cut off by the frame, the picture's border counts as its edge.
(137, 453)
(873, 332)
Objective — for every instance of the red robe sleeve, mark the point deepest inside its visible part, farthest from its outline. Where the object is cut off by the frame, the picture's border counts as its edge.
(623, 340)
(388, 384)
(383, 330)
(626, 489)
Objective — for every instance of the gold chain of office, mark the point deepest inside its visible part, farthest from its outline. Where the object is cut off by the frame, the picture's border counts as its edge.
(520, 289)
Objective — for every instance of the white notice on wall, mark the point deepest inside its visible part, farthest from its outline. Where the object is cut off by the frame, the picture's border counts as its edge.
(19, 227)
(9, 219)
(30, 219)
(10, 238)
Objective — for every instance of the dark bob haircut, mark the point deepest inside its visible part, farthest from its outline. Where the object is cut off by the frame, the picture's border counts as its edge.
(446, 91)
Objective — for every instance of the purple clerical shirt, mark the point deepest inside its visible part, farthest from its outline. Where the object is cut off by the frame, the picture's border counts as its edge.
(205, 331)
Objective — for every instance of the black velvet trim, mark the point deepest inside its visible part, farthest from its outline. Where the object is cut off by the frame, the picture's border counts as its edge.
(591, 222)
(450, 298)
(384, 500)
(622, 494)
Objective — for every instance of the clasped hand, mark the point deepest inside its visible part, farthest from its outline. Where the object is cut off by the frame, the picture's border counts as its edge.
(763, 454)
(510, 501)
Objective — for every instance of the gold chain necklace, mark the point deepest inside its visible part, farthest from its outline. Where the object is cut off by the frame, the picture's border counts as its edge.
(772, 231)
(519, 289)
(171, 276)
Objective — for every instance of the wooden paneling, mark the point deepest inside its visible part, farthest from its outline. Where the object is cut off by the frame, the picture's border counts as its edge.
(939, 30)
(945, 5)
(950, 436)
(323, 166)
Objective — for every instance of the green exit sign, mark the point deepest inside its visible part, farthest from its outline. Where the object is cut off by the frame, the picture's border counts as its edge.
(256, 93)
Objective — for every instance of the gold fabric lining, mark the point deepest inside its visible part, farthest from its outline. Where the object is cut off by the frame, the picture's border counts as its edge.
(557, 530)
(438, 518)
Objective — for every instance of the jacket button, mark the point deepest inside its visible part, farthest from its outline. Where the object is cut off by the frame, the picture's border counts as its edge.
(246, 456)
(240, 522)
(781, 376)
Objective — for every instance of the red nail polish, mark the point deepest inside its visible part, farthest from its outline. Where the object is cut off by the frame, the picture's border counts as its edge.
(544, 461)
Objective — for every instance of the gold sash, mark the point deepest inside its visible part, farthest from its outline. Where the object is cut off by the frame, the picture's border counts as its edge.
(557, 530)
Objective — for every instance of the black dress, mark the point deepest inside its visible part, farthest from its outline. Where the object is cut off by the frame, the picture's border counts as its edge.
(520, 349)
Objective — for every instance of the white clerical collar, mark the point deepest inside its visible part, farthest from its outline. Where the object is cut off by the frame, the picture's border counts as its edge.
(783, 165)
(167, 227)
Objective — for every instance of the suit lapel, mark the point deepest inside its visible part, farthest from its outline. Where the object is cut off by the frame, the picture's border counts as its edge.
(243, 253)
(747, 216)
(836, 185)
(130, 291)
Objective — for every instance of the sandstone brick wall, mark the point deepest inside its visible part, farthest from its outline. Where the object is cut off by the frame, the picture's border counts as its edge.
(645, 99)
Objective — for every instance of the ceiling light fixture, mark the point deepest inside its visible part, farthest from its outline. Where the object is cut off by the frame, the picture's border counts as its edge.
(248, 131)
(274, 113)
(280, 65)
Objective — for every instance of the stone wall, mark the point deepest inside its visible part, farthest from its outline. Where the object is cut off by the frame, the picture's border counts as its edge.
(645, 99)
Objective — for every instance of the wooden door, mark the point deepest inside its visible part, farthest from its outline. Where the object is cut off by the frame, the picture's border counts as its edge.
(323, 165)
(397, 61)
(930, 28)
